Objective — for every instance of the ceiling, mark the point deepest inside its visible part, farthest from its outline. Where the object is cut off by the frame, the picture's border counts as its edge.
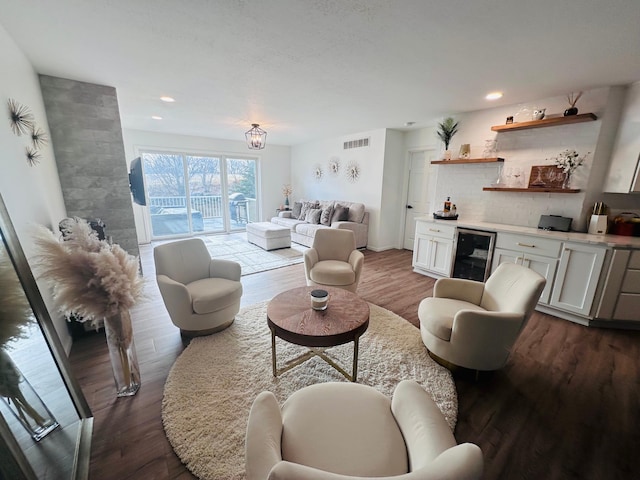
(311, 69)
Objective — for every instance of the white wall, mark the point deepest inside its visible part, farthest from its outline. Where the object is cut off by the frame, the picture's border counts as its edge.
(32, 194)
(274, 165)
(367, 189)
(522, 149)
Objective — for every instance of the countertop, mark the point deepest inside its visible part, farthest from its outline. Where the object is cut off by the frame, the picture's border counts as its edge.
(616, 241)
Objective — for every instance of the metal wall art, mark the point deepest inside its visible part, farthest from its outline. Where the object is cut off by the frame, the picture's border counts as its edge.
(317, 172)
(23, 123)
(33, 156)
(21, 118)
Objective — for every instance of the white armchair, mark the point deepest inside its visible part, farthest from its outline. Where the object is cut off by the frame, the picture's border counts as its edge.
(333, 260)
(473, 324)
(348, 431)
(202, 294)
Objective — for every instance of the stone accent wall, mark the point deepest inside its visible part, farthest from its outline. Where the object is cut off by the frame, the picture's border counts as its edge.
(86, 134)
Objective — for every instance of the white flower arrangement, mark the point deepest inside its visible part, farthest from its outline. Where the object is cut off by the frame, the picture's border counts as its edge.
(569, 160)
(286, 190)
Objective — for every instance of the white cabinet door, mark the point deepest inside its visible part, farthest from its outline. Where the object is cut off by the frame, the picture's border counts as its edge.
(421, 251)
(441, 254)
(500, 255)
(577, 278)
(433, 254)
(545, 266)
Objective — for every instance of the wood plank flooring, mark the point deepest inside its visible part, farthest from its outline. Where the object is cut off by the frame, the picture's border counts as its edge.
(565, 407)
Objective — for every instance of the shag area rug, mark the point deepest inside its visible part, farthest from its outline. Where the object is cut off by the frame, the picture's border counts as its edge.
(211, 386)
(252, 259)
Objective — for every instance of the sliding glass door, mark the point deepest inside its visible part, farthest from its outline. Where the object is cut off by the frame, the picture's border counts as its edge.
(199, 194)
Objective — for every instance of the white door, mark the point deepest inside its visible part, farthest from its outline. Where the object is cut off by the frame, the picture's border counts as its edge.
(417, 204)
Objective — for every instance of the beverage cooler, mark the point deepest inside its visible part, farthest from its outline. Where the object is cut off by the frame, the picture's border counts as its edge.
(473, 254)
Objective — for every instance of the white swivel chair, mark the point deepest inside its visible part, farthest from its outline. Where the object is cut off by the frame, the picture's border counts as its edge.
(333, 260)
(202, 294)
(348, 431)
(473, 324)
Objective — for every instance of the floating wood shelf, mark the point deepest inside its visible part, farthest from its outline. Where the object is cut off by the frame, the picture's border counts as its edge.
(467, 160)
(531, 190)
(546, 122)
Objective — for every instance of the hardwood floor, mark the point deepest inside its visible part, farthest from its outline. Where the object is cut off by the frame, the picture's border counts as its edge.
(565, 407)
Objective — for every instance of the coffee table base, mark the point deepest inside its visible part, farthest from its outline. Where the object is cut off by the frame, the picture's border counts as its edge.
(315, 352)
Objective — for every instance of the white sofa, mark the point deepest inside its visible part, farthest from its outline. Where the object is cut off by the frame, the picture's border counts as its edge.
(303, 231)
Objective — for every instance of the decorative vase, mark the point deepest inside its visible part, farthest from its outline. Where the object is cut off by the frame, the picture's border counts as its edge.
(571, 111)
(446, 155)
(122, 353)
(567, 180)
(23, 401)
(286, 201)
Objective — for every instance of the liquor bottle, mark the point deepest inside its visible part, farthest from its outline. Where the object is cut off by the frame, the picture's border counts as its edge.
(447, 205)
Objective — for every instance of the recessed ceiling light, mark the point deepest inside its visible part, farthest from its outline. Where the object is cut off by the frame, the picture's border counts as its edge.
(167, 99)
(494, 96)
(409, 124)
(156, 117)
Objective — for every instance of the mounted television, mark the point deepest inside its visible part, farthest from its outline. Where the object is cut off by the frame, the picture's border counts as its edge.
(136, 182)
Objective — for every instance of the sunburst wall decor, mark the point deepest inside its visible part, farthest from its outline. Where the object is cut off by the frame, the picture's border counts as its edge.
(334, 166)
(353, 172)
(33, 156)
(38, 137)
(317, 172)
(21, 118)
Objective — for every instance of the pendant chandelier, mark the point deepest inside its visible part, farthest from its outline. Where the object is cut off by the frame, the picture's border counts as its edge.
(256, 137)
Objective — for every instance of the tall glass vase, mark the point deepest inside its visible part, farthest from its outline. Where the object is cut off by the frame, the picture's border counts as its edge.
(122, 353)
(566, 183)
(23, 401)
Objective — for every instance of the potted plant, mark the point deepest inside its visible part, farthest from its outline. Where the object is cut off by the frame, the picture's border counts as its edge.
(572, 98)
(446, 130)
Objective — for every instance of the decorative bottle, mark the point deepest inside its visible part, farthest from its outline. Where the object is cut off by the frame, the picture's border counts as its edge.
(447, 205)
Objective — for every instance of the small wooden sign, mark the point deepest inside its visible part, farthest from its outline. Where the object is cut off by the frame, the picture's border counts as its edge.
(546, 176)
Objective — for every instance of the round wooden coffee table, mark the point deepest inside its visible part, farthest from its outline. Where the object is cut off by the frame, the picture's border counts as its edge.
(291, 318)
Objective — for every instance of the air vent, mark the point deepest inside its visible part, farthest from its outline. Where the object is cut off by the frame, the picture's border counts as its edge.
(361, 142)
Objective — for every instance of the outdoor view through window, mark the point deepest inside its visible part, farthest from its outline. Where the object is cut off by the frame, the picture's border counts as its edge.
(189, 194)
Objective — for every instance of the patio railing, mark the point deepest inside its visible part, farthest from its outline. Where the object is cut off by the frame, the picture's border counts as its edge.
(210, 206)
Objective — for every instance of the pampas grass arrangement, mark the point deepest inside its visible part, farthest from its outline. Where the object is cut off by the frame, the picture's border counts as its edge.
(15, 312)
(95, 280)
(90, 277)
(15, 319)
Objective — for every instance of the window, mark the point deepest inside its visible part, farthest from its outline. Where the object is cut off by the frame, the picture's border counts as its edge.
(192, 194)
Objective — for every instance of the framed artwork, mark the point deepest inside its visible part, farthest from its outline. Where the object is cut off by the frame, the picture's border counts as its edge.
(546, 176)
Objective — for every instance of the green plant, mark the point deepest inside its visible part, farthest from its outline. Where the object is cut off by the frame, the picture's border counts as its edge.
(446, 130)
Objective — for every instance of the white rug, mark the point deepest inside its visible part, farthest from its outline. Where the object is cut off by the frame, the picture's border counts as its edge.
(211, 386)
(252, 258)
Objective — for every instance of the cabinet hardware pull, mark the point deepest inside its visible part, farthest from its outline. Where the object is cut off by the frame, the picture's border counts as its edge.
(525, 245)
(434, 230)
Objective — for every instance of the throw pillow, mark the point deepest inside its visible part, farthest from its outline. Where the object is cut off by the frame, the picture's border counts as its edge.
(327, 213)
(306, 206)
(313, 215)
(295, 212)
(340, 214)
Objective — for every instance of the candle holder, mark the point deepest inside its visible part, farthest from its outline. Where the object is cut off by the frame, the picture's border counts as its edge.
(319, 299)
